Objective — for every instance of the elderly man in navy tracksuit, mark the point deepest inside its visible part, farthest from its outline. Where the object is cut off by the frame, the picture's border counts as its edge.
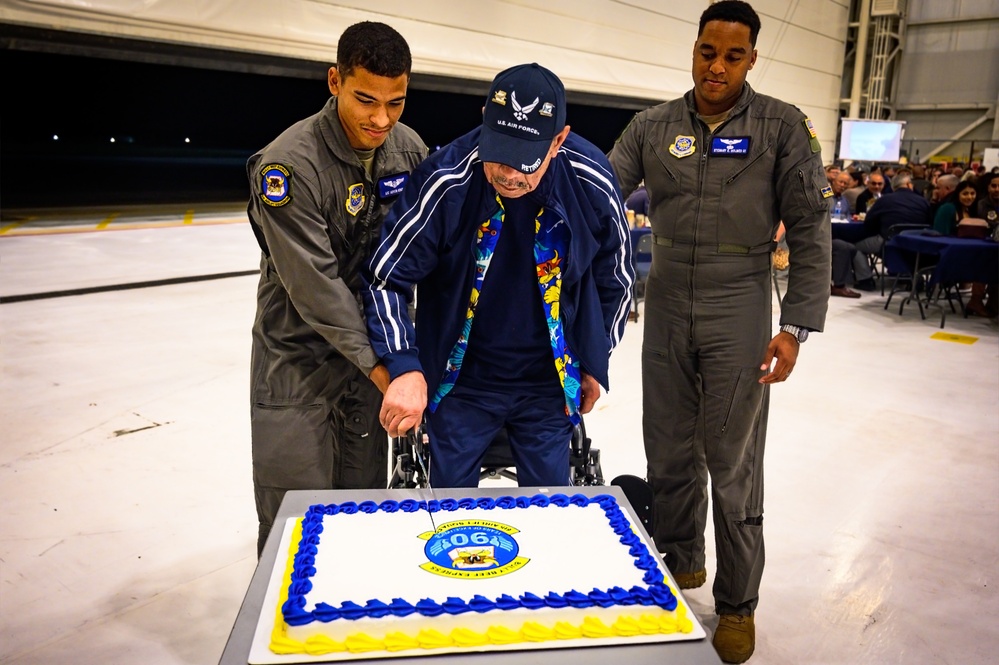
(515, 239)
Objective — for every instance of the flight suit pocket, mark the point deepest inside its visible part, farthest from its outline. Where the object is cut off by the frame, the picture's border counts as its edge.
(746, 202)
(291, 445)
(664, 194)
(742, 402)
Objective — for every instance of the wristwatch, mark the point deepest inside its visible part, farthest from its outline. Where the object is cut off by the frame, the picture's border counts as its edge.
(800, 334)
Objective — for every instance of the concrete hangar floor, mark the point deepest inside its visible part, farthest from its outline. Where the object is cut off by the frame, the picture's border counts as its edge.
(128, 530)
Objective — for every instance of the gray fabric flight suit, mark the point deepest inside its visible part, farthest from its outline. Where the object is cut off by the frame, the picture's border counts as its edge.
(317, 217)
(716, 200)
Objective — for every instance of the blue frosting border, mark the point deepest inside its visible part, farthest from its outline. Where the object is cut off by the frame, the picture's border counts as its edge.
(655, 593)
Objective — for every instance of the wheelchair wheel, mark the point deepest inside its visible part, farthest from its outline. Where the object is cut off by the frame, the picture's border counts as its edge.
(412, 460)
(584, 460)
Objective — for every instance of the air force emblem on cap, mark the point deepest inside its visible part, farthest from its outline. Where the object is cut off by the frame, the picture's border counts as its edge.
(355, 198)
(521, 112)
(275, 185)
(683, 146)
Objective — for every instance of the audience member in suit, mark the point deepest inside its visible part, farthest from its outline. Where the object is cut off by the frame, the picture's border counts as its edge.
(843, 253)
(867, 198)
(904, 206)
(855, 189)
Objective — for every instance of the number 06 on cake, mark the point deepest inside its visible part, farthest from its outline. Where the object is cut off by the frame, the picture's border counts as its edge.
(372, 580)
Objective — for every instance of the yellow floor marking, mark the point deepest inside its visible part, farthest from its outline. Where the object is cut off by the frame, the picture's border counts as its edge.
(949, 337)
(122, 226)
(107, 220)
(189, 217)
(14, 225)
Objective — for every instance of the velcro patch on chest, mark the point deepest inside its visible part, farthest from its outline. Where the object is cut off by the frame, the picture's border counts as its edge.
(392, 185)
(730, 146)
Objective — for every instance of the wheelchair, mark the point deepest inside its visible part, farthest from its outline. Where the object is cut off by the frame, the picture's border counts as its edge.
(412, 459)
(411, 455)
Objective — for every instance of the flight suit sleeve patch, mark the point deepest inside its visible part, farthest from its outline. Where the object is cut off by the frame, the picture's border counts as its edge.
(275, 185)
(813, 137)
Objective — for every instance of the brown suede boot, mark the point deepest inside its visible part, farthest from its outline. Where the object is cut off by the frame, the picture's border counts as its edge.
(691, 580)
(735, 638)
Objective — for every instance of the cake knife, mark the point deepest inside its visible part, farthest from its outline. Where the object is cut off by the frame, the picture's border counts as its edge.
(426, 474)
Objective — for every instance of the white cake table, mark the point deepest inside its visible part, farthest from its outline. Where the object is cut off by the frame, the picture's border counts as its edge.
(295, 503)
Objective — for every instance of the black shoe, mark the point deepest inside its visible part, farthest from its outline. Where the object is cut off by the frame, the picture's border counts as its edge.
(866, 284)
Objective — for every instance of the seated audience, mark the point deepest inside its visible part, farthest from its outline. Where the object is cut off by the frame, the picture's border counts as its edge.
(855, 188)
(887, 172)
(957, 205)
(866, 199)
(920, 184)
(842, 265)
(839, 186)
(904, 206)
(638, 201)
(944, 185)
(988, 205)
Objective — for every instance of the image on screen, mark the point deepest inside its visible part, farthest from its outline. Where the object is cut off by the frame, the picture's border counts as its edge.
(870, 140)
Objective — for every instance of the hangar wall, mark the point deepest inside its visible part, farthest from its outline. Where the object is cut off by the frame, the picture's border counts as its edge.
(632, 52)
(948, 79)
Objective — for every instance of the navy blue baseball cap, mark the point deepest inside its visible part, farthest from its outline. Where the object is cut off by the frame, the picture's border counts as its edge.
(524, 111)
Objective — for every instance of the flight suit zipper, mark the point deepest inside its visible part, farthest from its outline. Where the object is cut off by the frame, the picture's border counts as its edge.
(701, 170)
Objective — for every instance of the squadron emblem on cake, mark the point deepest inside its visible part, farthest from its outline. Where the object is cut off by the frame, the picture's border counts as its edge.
(472, 549)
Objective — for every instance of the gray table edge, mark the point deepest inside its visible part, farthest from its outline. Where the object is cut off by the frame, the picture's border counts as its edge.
(295, 503)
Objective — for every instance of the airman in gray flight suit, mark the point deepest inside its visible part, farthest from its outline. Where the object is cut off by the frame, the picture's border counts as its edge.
(723, 167)
(319, 192)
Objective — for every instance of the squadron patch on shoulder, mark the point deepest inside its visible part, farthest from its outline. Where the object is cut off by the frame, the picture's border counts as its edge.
(826, 192)
(813, 137)
(275, 185)
(683, 146)
(355, 198)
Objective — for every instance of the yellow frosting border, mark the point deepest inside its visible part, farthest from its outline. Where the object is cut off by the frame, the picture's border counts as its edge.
(530, 631)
